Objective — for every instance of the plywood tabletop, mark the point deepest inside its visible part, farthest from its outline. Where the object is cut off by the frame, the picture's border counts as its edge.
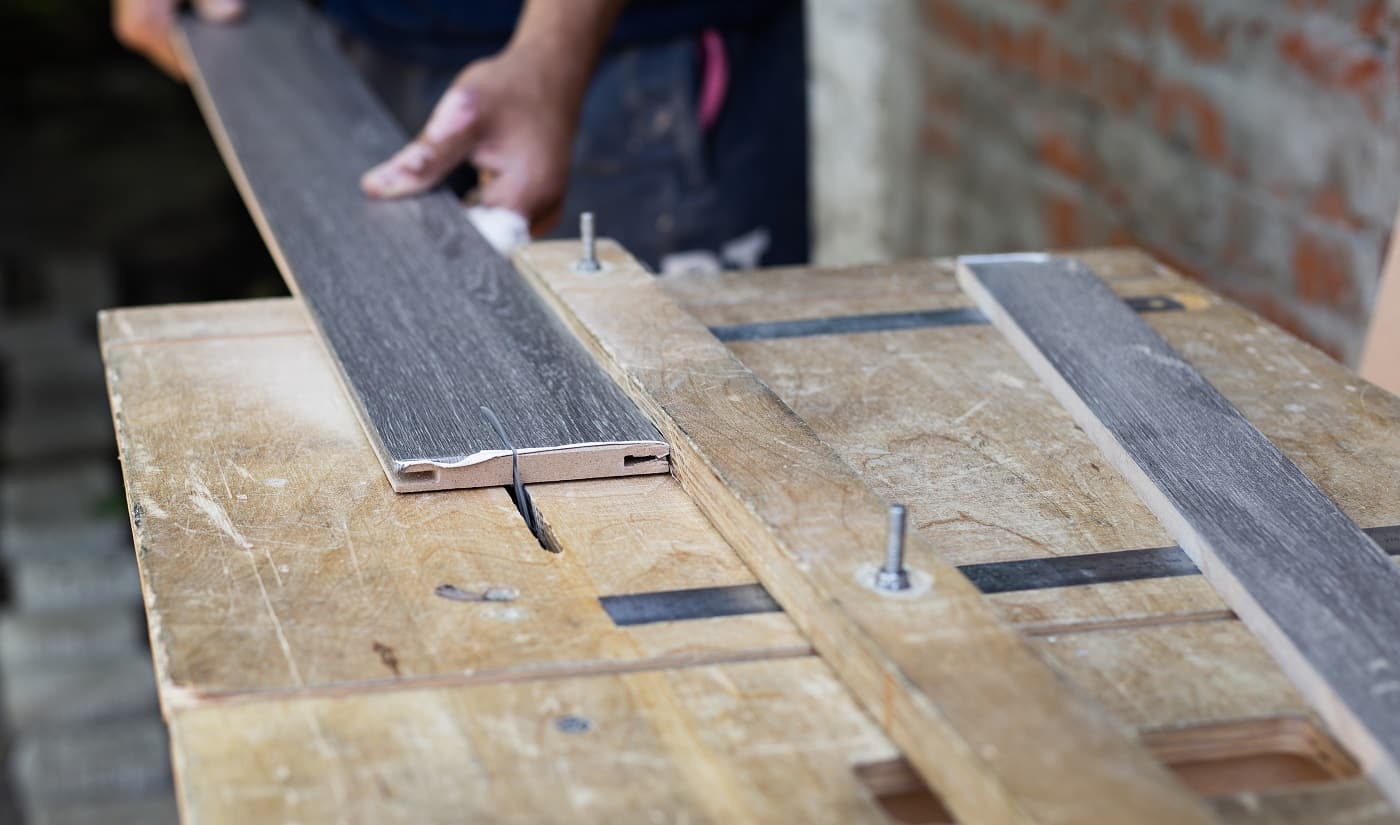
(275, 557)
(313, 667)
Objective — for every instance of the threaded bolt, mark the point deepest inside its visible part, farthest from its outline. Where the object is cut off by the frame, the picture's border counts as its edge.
(892, 576)
(589, 261)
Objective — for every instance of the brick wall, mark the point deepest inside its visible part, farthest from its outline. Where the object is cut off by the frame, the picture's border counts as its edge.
(1253, 143)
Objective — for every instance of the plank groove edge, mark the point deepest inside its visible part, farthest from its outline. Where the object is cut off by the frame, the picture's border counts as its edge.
(1322, 595)
(978, 713)
(425, 323)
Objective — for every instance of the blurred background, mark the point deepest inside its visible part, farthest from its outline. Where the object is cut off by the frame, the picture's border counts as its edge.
(1254, 144)
(111, 193)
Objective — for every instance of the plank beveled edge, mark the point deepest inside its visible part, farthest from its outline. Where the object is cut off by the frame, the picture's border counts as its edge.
(978, 713)
(1346, 677)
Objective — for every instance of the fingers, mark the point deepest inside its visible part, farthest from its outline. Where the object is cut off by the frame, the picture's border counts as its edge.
(219, 11)
(517, 190)
(524, 177)
(144, 26)
(444, 143)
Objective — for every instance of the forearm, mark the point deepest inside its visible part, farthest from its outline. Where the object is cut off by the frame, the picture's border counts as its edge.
(564, 38)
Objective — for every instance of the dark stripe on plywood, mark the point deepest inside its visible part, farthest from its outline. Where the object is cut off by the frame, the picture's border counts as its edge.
(894, 321)
(990, 578)
(1106, 568)
(1090, 568)
(684, 605)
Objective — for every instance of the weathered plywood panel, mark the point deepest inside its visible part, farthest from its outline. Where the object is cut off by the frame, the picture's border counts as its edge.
(426, 322)
(1350, 802)
(274, 556)
(616, 537)
(950, 421)
(1175, 675)
(771, 742)
(794, 293)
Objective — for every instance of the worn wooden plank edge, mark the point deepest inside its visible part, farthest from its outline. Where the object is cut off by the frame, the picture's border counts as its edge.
(480, 468)
(956, 688)
(1343, 705)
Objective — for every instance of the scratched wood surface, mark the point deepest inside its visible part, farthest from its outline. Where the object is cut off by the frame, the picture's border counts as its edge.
(704, 745)
(264, 748)
(427, 323)
(772, 742)
(931, 664)
(276, 557)
(948, 420)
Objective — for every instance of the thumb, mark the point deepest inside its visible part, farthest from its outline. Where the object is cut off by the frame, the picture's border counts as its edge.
(219, 11)
(145, 26)
(443, 144)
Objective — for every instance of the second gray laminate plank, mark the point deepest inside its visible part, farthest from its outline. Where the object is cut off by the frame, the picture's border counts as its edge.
(1323, 597)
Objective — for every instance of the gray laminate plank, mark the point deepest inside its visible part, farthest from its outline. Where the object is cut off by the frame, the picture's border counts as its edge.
(425, 321)
(1321, 595)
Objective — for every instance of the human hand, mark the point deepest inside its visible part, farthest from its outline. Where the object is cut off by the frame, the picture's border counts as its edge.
(145, 26)
(511, 116)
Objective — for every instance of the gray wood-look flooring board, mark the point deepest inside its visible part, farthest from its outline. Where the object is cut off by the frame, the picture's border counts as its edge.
(1321, 595)
(426, 323)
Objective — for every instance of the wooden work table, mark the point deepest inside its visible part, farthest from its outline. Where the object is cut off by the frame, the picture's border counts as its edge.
(329, 651)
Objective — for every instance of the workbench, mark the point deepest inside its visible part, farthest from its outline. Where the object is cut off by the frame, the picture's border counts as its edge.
(329, 651)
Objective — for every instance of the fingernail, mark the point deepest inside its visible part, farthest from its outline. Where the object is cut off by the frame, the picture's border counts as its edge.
(383, 180)
(224, 10)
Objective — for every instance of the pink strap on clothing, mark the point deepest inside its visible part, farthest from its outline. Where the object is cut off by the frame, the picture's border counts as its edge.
(714, 77)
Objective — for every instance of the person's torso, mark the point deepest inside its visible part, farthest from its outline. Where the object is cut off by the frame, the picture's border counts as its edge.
(443, 31)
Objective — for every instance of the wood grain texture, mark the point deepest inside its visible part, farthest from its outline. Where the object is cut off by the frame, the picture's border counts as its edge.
(275, 557)
(426, 322)
(954, 687)
(770, 742)
(1307, 580)
(1350, 802)
(1175, 675)
(762, 742)
(953, 423)
(202, 387)
(263, 750)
